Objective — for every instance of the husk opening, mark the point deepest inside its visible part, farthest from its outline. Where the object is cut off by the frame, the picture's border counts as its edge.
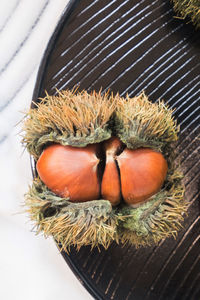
(79, 119)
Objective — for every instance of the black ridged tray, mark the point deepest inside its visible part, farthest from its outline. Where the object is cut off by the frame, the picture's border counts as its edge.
(130, 46)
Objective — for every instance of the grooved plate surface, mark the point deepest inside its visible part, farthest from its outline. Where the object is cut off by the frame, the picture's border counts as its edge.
(130, 46)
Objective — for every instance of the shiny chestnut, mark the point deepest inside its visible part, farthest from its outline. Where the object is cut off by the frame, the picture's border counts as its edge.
(70, 172)
(132, 176)
(110, 185)
(142, 174)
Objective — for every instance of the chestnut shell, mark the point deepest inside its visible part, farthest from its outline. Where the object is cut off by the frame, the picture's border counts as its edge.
(142, 174)
(70, 172)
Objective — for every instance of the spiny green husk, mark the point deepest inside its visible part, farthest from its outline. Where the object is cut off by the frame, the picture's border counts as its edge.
(70, 118)
(79, 119)
(89, 223)
(82, 118)
(97, 223)
(140, 123)
(156, 219)
(188, 9)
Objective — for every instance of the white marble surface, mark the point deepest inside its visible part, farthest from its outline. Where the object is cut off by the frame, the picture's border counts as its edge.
(31, 267)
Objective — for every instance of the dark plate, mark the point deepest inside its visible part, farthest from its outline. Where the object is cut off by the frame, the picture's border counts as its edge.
(130, 46)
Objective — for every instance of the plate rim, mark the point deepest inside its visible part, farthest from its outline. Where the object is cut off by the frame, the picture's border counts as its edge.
(43, 63)
(93, 291)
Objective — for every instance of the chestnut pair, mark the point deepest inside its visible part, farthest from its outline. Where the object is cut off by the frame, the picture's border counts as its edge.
(106, 170)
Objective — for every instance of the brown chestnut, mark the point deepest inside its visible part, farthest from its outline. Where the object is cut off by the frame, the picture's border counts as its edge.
(70, 172)
(143, 172)
(110, 186)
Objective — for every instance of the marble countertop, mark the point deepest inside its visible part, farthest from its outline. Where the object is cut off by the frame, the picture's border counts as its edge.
(31, 267)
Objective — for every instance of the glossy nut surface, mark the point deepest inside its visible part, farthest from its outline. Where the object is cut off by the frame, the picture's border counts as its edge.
(70, 172)
(143, 172)
(110, 186)
(132, 176)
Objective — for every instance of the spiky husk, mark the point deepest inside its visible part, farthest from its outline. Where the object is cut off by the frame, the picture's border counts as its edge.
(141, 123)
(96, 223)
(69, 118)
(156, 219)
(71, 224)
(188, 9)
(79, 119)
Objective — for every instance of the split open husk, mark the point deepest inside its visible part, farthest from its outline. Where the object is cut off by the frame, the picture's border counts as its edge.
(78, 119)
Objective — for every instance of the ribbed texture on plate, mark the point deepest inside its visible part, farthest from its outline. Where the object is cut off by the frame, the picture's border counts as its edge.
(130, 46)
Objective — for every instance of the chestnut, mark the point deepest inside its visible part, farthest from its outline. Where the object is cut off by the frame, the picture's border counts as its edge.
(110, 186)
(70, 172)
(142, 172)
